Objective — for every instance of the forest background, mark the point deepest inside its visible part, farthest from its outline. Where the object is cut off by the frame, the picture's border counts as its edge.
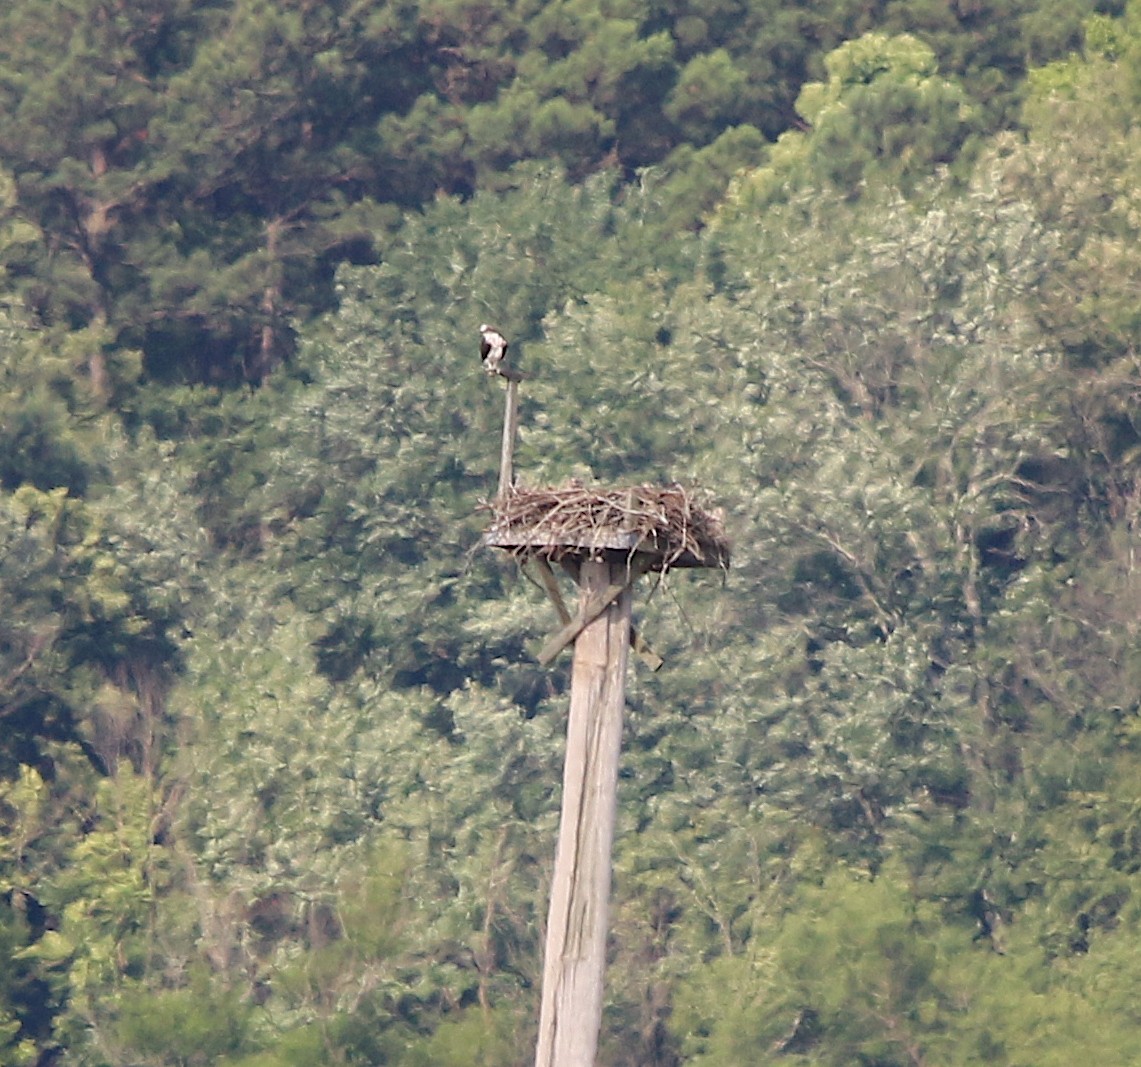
(278, 772)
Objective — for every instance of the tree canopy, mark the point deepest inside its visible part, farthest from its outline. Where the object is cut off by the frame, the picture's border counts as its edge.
(278, 770)
(196, 171)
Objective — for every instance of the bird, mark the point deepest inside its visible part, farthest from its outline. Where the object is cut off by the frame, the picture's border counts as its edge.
(492, 350)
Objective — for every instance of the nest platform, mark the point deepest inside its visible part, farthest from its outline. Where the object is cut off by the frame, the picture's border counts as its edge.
(664, 527)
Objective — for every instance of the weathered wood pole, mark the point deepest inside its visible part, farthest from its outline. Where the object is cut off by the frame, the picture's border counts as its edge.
(574, 961)
(510, 429)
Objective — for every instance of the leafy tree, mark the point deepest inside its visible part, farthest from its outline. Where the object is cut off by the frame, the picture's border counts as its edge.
(130, 168)
(280, 762)
(858, 970)
(990, 44)
(93, 590)
(195, 1025)
(883, 115)
(79, 92)
(29, 992)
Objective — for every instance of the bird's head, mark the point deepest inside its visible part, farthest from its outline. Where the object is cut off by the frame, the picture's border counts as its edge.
(484, 328)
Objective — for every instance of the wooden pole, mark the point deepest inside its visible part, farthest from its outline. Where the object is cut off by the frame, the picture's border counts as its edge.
(575, 957)
(510, 428)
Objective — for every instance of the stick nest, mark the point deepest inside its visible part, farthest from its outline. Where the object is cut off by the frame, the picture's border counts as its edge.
(666, 521)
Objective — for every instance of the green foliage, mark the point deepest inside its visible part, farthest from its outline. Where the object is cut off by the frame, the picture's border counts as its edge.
(1019, 34)
(858, 972)
(26, 998)
(49, 433)
(195, 1025)
(73, 614)
(474, 1040)
(130, 165)
(709, 91)
(883, 115)
(185, 176)
(278, 776)
(691, 183)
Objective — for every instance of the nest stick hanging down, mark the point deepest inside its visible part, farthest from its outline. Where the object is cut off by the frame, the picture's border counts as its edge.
(605, 538)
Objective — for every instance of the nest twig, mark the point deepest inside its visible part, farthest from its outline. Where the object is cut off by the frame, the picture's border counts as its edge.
(560, 521)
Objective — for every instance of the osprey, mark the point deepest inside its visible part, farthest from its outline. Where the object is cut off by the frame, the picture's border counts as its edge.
(492, 350)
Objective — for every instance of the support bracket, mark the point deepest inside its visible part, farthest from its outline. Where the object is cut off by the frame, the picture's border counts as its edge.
(595, 606)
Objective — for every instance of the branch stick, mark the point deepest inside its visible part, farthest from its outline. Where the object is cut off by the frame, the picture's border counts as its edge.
(510, 429)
